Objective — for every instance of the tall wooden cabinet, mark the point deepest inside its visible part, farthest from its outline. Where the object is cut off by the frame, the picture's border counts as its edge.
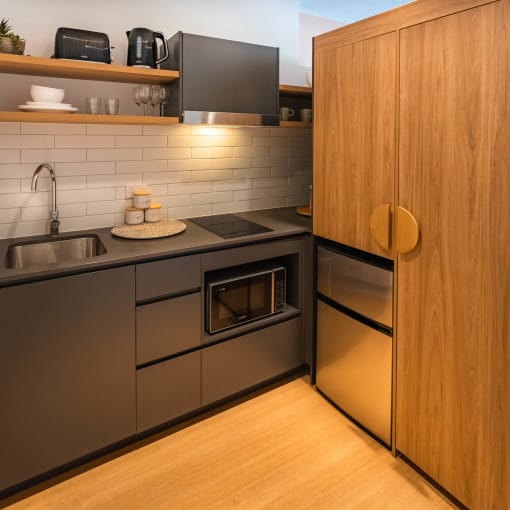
(452, 140)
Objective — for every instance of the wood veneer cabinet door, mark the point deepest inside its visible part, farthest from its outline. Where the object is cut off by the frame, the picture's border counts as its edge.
(453, 320)
(354, 139)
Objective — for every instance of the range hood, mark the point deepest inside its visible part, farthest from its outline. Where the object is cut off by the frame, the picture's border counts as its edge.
(222, 81)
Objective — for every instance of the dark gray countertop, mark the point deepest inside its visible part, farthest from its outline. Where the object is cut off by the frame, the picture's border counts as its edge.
(283, 222)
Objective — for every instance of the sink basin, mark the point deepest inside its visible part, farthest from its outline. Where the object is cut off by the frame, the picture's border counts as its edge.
(53, 251)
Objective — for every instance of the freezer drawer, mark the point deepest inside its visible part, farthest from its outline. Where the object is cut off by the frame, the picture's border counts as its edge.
(354, 369)
(360, 286)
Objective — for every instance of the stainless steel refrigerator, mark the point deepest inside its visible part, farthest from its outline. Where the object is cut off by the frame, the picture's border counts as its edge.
(354, 335)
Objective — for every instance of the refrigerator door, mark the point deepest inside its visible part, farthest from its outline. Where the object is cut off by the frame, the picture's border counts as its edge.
(354, 369)
(360, 286)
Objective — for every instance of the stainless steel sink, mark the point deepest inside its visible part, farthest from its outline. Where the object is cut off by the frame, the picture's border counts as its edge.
(53, 251)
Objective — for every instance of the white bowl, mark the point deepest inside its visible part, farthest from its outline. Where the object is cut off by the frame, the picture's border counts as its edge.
(309, 78)
(46, 94)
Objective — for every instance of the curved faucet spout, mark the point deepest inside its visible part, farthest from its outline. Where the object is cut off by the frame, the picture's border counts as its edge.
(54, 211)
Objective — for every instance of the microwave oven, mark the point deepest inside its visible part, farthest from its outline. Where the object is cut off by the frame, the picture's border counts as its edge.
(245, 297)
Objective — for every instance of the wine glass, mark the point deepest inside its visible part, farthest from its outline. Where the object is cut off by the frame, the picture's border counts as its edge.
(163, 99)
(136, 96)
(154, 99)
(145, 95)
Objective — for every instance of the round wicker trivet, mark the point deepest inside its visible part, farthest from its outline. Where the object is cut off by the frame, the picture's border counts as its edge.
(163, 228)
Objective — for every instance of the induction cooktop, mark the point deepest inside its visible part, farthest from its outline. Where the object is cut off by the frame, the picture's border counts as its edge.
(229, 225)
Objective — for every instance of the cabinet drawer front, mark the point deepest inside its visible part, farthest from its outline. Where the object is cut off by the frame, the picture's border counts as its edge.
(167, 327)
(165, 277)
(167, 390)
(234, 365)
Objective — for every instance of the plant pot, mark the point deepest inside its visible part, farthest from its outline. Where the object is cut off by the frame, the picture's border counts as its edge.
(6, 46)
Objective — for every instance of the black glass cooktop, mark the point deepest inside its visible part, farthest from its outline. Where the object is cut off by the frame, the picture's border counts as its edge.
(229, 225)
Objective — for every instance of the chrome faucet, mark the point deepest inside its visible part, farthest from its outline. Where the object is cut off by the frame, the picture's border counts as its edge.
(54, 224)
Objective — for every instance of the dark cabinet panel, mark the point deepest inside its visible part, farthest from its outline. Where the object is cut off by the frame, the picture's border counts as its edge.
(67, 370)
(168, 390)
(165, 277)
(237, 364)
(168, 327)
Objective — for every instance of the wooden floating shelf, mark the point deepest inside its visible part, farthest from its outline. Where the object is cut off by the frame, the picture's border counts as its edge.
(39, 66)
(83, 118)
(295, 90)
(295, 124)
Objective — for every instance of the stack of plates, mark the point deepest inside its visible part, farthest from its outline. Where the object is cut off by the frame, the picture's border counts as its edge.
(35, 106)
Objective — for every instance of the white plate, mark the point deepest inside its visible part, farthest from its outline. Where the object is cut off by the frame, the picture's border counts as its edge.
(50, 105)
(35, 108)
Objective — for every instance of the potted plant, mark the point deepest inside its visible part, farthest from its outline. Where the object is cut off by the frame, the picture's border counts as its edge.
(9, 41)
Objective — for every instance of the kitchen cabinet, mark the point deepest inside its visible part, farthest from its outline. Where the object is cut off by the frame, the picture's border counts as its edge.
(354, 140)
(60, 68)
(67, 378)
(447, 231)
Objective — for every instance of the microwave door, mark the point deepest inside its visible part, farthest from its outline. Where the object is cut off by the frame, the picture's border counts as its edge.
(260, 296)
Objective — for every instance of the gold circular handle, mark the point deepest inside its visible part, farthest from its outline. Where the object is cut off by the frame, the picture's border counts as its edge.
(380, 225)
(407, 232)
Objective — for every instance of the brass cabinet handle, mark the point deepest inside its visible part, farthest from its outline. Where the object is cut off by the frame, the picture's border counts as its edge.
(380, 221)
(407, 232)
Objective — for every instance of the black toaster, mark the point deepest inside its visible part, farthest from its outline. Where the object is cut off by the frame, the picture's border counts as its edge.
(76, 44)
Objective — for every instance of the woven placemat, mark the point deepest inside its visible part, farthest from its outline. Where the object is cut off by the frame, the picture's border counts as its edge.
(163, 228)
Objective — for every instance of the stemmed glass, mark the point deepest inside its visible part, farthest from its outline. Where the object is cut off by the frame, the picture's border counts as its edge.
(154, 99)
(136, 96)
(145, 95)
(163, 99)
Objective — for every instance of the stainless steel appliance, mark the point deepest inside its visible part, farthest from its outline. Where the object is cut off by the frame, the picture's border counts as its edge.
(77, 44)
(222, 81)
(354, 335)
(143, 48)
(237, 296)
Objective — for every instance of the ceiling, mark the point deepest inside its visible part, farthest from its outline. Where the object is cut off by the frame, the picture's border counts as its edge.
(347, 11)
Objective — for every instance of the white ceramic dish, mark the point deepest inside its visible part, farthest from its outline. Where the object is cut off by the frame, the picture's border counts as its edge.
(53, 108)
(51, 105)
(46, 94)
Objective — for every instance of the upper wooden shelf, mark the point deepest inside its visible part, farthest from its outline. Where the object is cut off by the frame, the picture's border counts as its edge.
(39, 66)
(295, 90)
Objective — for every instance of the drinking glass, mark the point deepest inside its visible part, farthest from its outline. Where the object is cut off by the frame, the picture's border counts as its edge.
(136, 96)
(93, 105)
(145, 95)
(154, 100)
(163, 99)
(111, 106)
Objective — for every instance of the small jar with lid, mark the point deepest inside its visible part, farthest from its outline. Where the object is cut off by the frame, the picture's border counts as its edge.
(133, 216)
(153, 213)
(141, 199)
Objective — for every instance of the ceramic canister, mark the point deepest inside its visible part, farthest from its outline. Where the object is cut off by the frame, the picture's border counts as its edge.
(133, 216)
(141, 199)
(153, 213)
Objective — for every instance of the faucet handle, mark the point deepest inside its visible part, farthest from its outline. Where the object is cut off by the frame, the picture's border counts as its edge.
(54, 227)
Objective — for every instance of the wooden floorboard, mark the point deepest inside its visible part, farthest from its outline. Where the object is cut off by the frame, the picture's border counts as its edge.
(285, 449)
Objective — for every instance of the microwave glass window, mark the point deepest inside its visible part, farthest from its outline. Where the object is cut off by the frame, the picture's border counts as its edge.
(259, 293)
(232, 301)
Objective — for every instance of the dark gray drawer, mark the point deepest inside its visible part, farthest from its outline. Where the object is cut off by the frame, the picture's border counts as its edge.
(237, 364)
(167, 390)
(165, 277)
(168, 327)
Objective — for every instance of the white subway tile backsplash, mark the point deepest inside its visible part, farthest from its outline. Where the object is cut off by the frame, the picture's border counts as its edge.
(114, 129)
(190, 170)
(212, 152)
(34, 128)
(10, 215)
(52, 155)
(87, 142)
(26, 141)
(10, 128)
(114, 154)
(10, 156)
(10, 186)
(167, 153)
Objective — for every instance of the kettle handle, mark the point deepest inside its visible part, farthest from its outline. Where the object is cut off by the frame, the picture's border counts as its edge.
(159, 35)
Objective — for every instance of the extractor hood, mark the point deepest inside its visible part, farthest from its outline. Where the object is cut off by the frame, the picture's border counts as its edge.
(222, 81)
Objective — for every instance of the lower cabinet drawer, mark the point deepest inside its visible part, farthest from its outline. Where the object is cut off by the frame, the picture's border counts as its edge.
(168, 390)
(237, 364)
(168, 327)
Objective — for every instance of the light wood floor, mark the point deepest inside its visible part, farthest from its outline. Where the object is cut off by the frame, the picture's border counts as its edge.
(285, 449)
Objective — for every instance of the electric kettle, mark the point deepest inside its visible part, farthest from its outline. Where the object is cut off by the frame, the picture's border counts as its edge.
(143, 48)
